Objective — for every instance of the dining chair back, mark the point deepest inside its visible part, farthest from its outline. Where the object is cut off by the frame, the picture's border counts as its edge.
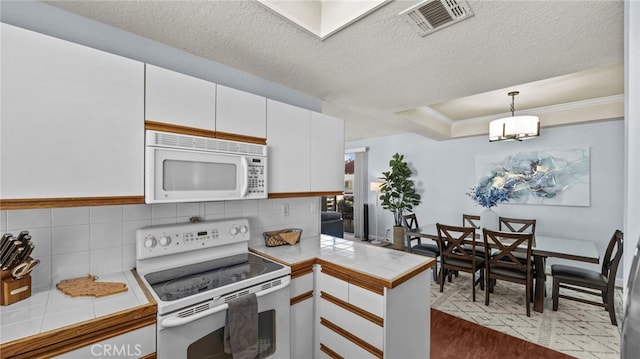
(470, 220)
(458, 253)
(502, 262)
(426, 249)
(506, 224)
(603, 282)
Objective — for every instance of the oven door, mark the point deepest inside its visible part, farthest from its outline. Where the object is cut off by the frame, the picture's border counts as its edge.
(174, 175)
(202, 337)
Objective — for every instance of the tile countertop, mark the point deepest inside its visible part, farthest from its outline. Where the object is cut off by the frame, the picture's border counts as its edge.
(51, 309)
(385, 265)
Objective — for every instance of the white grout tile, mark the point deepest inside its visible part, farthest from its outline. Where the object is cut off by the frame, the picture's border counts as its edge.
(136, 212)
(212, 208)
(232, 207)
(41, 238)
(68, 317)
(188, 209)
(41, 274)
(114, 303)
(69, 239)
(159, 221)
(69, 216)
(129, 230)
(19, 330)
(250, 207)
(128, 257)
(3, 221)
(105, 214)
(105, 235)
(163, 211)
(23, 314)
(105, 261)
(69, 265)
(32, 218)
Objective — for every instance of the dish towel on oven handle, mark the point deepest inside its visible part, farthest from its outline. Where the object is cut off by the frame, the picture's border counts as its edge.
(241, 327)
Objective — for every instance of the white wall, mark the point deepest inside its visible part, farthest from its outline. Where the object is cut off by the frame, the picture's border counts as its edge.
(71, 242)
(444, 171)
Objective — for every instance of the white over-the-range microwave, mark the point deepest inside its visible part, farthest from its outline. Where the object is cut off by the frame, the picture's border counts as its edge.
(183, 168)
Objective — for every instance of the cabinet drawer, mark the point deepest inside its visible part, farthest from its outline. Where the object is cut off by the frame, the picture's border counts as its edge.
(137, 343)
(334, 286)
(353, 323)
(343, 346)
(366, 299)
(300, 285)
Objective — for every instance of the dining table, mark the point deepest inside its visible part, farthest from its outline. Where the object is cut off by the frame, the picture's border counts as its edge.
(541, 248)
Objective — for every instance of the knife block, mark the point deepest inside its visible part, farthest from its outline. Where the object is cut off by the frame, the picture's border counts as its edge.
(14, 290)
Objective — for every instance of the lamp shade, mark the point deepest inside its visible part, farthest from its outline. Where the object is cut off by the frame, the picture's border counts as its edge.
(514, 128)
(375, 186)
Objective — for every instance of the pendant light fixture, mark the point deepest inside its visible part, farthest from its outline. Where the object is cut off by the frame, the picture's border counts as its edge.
(516, 128)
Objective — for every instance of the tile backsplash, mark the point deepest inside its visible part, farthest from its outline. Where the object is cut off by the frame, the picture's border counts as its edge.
(71, 242)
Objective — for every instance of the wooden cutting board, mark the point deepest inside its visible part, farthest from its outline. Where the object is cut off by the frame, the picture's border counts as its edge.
(87, 286)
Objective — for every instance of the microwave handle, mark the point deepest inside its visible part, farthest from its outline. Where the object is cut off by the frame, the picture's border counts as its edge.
(178, 321)
(245, 176)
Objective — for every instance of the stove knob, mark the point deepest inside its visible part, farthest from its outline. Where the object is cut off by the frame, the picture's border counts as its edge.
(150, 242)
(233, 231)
(243, 229)
(165, 240)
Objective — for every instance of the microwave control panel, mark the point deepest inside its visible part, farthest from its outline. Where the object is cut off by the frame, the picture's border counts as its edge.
(257, 177)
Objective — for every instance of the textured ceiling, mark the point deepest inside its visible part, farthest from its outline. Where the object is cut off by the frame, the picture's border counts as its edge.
(382, 78)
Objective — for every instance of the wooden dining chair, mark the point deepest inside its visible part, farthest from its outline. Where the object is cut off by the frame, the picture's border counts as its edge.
(426, 249)
(520, 225)
(458, 253)
(471, 220)
(601, 283)
(504, 265)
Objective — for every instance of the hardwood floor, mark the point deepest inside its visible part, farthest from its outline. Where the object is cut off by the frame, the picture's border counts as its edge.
(455, 338)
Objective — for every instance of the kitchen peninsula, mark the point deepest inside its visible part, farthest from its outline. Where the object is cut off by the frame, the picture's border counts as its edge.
(365, 301)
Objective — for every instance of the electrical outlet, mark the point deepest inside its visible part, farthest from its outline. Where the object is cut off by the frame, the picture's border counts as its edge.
(285, 209)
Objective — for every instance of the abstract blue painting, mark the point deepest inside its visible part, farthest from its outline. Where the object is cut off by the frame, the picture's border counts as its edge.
(551, 177)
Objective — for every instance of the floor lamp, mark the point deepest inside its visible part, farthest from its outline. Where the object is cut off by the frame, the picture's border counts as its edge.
(375, 187)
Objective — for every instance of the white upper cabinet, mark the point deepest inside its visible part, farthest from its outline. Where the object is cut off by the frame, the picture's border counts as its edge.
(327, 153)
(288, 138)
(72, 119)
(240, 112)
(178, 99)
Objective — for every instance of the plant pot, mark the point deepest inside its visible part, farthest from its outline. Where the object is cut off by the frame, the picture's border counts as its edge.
(489, 219)
(398, 237)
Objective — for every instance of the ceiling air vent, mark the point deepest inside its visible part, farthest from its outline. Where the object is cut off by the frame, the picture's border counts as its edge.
(432, 15)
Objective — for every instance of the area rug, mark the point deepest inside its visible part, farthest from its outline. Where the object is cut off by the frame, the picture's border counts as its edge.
(576, 329)
(455, 338)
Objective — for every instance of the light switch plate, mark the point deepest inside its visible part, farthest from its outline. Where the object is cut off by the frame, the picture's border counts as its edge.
(285, 209)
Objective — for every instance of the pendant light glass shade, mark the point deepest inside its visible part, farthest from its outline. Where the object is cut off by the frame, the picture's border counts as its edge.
(515, 127)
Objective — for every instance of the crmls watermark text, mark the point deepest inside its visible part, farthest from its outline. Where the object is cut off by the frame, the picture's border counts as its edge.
(113, 350)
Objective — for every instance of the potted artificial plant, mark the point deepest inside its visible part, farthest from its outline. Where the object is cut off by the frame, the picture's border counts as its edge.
(398, 193)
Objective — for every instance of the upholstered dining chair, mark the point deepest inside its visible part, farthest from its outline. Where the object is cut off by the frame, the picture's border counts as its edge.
(471, 220)
(506, 224)
(458, 253)
(425, 249)
(504, 265)
(602, 282)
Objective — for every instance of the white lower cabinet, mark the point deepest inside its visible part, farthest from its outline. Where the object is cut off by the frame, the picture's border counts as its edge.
(134, 344)
(302, 315)
(357, 317)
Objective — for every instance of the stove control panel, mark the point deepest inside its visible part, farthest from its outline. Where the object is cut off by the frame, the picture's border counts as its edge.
(176, 238)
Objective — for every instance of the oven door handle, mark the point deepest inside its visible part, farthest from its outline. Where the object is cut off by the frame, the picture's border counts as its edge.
(175, 321)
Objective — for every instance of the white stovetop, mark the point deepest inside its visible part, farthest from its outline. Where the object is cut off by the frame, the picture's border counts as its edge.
(51, 309)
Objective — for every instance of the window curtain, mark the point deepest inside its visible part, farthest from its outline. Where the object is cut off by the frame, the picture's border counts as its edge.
(360, 190)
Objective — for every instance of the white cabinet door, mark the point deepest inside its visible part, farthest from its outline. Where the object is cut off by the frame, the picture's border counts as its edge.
(175, 98)
(302, 329)
(72, 119)
(288, 137)
(327, 153)
(240, 112)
